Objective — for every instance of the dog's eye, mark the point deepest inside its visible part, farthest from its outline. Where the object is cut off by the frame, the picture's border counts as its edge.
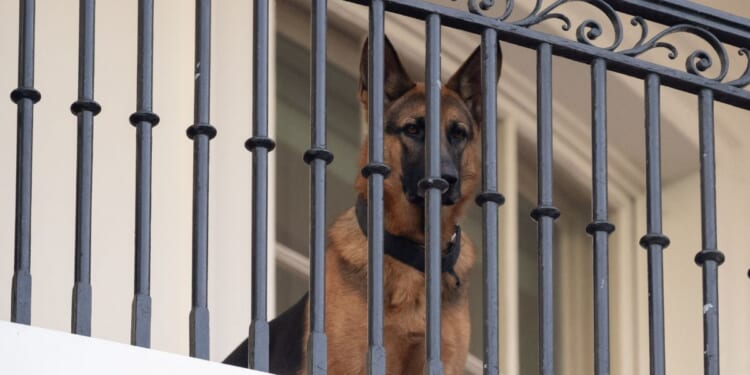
(414, 130)
(457, 134)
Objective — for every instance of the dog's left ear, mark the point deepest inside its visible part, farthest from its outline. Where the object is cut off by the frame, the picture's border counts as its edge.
(467, 81)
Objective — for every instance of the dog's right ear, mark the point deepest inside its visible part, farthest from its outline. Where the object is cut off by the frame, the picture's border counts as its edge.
(467, 81)
(396, 83)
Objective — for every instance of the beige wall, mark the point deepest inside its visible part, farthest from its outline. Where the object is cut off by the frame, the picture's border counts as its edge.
(682, 278)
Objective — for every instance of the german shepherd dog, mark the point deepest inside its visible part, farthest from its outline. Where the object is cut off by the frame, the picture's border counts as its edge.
(346, 253)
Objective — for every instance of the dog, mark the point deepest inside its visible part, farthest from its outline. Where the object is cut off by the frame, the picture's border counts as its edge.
(403, 268)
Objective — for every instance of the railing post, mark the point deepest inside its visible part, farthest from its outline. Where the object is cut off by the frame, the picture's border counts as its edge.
(545, 212)
(260, 145)
(600, 228)
(201, 132)
(709, 258)
(434, 186)
(24, 96)
(318, 157)
(654, 241)
(490, 201)
(143, 120)
(375, 171)
(85, 108)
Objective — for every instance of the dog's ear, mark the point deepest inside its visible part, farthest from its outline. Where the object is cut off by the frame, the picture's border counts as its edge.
(397, 82)
(467, 81)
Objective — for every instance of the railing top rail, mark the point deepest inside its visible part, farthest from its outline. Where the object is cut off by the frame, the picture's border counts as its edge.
(621, 57)
(727, 27)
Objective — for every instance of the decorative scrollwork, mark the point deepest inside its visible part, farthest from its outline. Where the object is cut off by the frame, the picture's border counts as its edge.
(589, 30)
(479, 6)
(586, 32)
(744, 79)
(697, 62)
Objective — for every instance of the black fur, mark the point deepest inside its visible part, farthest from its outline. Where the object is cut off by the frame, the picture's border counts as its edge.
(287, 333)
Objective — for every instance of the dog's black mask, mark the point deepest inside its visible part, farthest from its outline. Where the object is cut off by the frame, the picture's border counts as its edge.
(412, 138)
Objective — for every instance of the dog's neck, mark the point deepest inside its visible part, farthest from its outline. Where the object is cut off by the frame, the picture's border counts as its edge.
(410, 252)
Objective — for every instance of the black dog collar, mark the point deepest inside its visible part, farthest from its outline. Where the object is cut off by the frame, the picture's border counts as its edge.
(410, 252)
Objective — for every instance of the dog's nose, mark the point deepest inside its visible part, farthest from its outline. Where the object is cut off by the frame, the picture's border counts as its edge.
(451, 195)
(450, 178)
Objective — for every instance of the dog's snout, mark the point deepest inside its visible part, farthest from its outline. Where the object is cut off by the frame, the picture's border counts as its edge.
(448, 170)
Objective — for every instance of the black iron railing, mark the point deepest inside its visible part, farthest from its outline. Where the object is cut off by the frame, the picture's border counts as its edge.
(143, 119)
(318, 157)
(259, 144)
(85, 108)
(715, 28)
(545, 213)
(201, 132)
(375, 172)
(24, 96)
(654, 241)
(490, 200)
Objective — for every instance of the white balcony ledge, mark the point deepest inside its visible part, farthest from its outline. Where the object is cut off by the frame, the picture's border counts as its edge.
(31, 350)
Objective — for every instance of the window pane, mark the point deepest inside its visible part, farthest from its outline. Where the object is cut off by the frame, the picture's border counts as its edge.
(291, 286)
(528, 292)
(293, 139)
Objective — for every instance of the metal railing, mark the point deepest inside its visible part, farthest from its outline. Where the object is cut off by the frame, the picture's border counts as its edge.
(713, 27)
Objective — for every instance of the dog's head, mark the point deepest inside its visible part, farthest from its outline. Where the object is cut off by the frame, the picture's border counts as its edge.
(404, 112)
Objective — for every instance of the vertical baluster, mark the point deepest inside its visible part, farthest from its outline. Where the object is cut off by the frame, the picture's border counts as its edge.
(545, 213)
(434, 186)
(654, 241)
(260, 145)
(85, 108)
(201, 132)
(24, 96)
(600, 228)
(490, 200)
(318, 157)
(709, 258)
(143, 120)
(375, 171)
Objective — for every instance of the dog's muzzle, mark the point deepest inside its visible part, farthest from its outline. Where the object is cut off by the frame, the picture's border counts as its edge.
(449, 184)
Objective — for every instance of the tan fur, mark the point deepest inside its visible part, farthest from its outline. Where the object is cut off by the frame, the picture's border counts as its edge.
(346, 257)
